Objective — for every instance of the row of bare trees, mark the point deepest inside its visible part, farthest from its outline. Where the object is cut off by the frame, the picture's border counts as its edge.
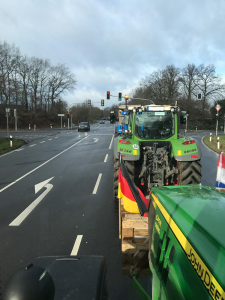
(32, 83)
(171, 84)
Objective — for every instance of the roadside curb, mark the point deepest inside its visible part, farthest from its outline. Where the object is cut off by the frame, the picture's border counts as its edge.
(24, 142)
(202, 140)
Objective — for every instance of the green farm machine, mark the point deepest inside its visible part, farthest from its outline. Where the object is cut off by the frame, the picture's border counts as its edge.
(180, 240)
(154, 153)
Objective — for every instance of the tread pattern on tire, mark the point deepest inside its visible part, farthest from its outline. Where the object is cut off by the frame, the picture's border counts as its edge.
(189, 172)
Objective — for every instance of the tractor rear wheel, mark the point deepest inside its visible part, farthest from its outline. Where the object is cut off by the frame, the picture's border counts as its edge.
(189, 172)
(130, 168)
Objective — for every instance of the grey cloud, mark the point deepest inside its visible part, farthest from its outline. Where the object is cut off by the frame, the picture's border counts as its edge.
(110, 45)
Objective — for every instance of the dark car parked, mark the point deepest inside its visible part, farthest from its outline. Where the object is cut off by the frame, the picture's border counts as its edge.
(84, 126)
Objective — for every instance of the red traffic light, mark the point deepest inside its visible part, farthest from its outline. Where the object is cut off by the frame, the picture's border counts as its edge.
(108, 95)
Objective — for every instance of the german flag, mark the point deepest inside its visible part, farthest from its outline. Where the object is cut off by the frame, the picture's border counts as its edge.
(133, 198)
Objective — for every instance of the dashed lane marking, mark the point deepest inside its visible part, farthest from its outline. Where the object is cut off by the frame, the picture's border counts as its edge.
(97, 184)
(105, 160)
(42, 142)
(111, 141)
(77, 245)
(12, 183)
(32, 145)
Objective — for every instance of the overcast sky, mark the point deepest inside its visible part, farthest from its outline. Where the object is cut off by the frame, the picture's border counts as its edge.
(111, 45)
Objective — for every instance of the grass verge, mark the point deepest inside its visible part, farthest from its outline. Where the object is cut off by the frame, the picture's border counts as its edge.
(213, 143)
(5, 144)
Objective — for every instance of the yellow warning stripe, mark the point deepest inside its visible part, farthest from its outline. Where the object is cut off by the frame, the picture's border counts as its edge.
(214, 288)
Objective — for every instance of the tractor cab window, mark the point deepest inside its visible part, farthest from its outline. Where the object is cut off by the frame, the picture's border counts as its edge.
(154, 125)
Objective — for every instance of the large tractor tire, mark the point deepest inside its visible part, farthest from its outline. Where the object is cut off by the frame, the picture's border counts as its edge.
(130, 168)
(189, 172)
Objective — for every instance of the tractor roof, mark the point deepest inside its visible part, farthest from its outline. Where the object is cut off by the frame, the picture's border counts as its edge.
(199, 213)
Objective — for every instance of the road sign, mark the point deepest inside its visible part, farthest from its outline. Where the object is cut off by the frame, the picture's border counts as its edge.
(218, 107)
(60, 115)
(71, 115)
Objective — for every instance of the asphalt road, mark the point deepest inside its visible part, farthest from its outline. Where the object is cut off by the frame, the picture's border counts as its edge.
(76, 212)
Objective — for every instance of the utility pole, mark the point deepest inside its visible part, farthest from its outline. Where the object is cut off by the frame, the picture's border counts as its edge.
(15, 116)
(224, 124)
(186, 121)
(7, 110)
(217, 117)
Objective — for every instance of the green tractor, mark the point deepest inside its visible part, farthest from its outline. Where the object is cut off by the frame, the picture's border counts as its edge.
(154, 153)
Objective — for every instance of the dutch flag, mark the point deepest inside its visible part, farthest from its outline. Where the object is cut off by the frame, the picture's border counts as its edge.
(220, 177)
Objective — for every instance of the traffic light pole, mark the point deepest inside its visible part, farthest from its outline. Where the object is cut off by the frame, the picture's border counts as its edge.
(68, 123)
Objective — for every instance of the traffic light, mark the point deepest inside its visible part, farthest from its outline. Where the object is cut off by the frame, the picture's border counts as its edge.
(12, 112)
(183, 117)
(102, 102)
(126, 97)
(108, 95)
(120, 96)
(199, 96)
(68, 115)
(89, 102)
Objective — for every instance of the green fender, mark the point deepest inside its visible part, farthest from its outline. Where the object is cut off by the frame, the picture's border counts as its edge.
(182, 152)
(129, 148)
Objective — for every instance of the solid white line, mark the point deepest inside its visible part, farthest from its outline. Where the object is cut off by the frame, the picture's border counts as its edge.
(28, 210)
(40, 165)
(8, 153)
(207, 146)
(42, 142)
(32, 145)
(111, 142)
(106, 158)
(97, 184)
(76, 245)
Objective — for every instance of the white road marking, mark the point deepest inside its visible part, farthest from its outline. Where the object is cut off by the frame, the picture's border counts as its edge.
(208, 147)
(106, 158)
(6, 187)
(95, 140)
(111, 142)
(56, 137)
(97, 184)
(49, 139)
(28, 210)
(40, 185)
(32, 145)
(76, 245)
(42, 142)
(85, 133)
(20, 149)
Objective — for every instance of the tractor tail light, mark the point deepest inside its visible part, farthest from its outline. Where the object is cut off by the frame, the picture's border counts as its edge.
(188, 142)
(124, 142)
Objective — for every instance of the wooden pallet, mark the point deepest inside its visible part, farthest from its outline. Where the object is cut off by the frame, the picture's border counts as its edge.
(133, 232)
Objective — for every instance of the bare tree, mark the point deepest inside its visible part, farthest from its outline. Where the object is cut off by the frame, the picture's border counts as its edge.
(188, 81)
(209, 84)
(60, 81)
